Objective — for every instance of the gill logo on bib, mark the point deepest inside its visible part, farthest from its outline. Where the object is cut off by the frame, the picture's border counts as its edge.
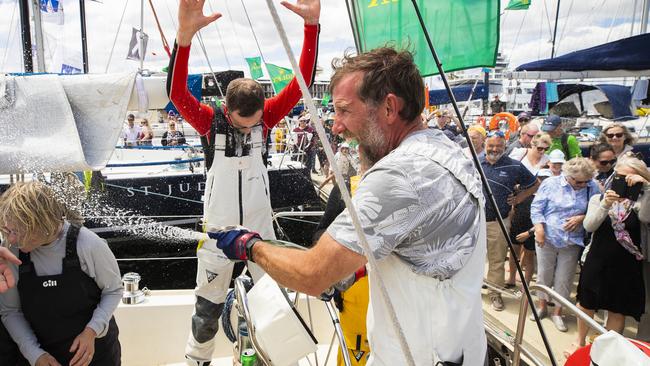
(49, 283)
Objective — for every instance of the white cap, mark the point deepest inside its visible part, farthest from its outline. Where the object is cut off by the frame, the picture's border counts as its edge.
(544, 173)
(556, 156)
(344, 144)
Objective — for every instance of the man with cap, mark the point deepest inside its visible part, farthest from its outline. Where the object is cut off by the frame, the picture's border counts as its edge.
(526, 134)
(568, 144)
(306, 141)
(497, 106)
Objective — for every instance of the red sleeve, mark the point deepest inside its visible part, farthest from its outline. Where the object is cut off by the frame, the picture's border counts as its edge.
(277, 107)
(197, 114)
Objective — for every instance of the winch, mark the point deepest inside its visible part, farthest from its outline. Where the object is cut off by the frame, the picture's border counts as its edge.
(132, 293)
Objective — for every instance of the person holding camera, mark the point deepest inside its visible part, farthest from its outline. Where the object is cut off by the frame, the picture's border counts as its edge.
(612, 275)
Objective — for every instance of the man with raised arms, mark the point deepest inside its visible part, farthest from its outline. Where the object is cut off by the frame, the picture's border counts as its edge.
(237, 184)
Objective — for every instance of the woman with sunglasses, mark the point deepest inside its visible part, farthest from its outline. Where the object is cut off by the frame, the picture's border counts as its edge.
(619, 137)
(603, 159)
(146, 133)
(533, 158)
(557, 213)
(612, 275)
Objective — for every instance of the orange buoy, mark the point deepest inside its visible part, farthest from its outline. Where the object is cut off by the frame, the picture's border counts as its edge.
(504, 121)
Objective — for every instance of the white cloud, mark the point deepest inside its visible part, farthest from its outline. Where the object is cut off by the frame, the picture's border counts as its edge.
(587, 24)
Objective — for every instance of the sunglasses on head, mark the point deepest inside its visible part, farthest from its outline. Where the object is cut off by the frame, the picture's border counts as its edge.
(496, 133)
(612, 135)
(607, 162)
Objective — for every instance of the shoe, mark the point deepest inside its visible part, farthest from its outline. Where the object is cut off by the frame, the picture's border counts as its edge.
(559, 323)
(542, 314)
(510, 285)
(497, 303)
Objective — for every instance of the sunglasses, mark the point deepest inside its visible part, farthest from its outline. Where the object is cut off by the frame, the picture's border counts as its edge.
(612, 135)
(541, 148)
(531, 136)
(496, 133)
(580, 181)
(607, 162)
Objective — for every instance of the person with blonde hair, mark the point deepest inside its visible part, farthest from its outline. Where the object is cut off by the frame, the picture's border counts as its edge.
(612, 275)
(534, 157)
(146, 133)
(618, 137)
(557, 213)
(70, 268)
(477, 135)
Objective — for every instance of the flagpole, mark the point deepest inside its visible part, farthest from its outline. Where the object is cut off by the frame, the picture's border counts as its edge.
(26, 36)
(38, 35)
(484, 180)
(84, 40)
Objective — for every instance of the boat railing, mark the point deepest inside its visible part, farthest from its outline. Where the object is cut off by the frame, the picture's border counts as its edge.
(566, 306)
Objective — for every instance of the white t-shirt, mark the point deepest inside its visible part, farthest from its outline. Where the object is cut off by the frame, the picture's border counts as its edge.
(521, 154)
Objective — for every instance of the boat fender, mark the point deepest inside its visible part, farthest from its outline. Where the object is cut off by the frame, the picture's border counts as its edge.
(506, 122)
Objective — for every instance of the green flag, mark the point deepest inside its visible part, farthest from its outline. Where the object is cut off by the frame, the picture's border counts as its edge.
(465, 33)
(280, 76)
(326, 99)
(518, 5)
(255, 65)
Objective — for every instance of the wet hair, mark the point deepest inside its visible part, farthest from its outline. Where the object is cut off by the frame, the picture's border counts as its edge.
(32, 207)
(630, 160)
(629, 139)
(385, 70)
(597, 149)
(246, 96)
(577, 166)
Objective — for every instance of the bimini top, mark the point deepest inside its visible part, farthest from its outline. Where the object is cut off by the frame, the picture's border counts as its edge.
(461, 93)
(625, 57)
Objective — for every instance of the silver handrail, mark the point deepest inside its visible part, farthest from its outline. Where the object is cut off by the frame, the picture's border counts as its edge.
(242, 306)
(297, 213)
(566, 304)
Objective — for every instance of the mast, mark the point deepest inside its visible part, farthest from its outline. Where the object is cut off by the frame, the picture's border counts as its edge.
(84, 41)
(141, 44)
(38, 35)
(26, 35)
(644, 17)
(557, 16)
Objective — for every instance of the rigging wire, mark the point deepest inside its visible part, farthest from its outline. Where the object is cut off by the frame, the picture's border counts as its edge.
(345, 194)
(548, 20)
(117, 33)
(539, 45)
(207, 59)
(11, 26)
(593, 11)
(234, 32)
(223, 47)
(253, 31)
(611, 24)
(170, 14)
(523, 20)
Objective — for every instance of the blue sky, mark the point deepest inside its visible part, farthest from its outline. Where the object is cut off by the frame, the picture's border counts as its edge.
(525, 35)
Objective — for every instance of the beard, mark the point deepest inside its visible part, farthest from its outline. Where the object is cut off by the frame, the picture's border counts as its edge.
(372, 142)
(493, 157)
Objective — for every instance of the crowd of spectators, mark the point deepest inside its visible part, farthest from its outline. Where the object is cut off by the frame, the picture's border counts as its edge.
(559, 207)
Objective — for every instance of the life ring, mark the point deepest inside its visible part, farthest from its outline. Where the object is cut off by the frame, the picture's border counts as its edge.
(504, 121)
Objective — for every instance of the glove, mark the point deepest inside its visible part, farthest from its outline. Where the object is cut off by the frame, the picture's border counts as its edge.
(237, 243)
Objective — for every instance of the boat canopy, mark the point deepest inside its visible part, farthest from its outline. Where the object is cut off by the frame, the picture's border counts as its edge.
(608, 100)
(461, 92)
(623, 58)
